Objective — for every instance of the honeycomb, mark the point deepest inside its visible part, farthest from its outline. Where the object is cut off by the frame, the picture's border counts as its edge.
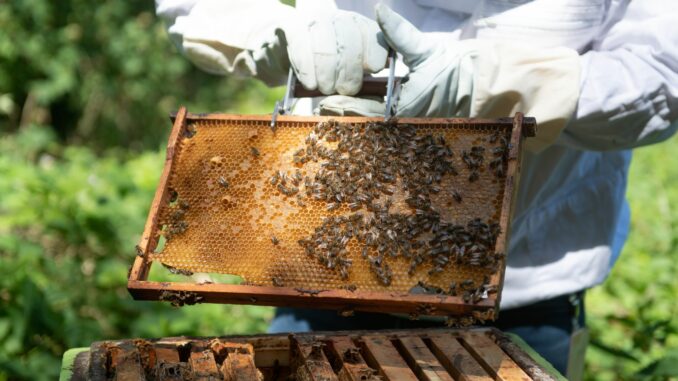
(226, 214)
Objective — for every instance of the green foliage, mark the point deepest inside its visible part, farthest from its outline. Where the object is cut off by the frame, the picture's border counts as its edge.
(68, 224)
(102, 78)
(104, 73)
(633, 315)
(665, 367)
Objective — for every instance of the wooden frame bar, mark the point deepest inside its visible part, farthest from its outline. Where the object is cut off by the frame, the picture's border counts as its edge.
(416, 304)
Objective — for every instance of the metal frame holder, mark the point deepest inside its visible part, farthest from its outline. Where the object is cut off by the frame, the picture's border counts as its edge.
(283, 106)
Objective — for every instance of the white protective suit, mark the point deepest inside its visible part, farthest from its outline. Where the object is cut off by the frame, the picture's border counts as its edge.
(571, 218)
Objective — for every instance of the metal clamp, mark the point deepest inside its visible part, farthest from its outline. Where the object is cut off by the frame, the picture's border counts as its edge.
(390, 101)
(283, 106)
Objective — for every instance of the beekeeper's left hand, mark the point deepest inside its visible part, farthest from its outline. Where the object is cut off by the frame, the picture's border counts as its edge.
(329, 51)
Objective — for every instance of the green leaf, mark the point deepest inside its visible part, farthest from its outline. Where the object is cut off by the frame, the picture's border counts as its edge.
(666, 366)
(617, 352)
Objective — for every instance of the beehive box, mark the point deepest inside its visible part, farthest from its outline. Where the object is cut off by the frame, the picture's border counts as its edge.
(479, 354)
(348, 213)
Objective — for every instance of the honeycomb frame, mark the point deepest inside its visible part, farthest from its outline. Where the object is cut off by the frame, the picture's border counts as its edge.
(342, 299)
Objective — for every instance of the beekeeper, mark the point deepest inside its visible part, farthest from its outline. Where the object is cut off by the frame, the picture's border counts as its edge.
(600, 77)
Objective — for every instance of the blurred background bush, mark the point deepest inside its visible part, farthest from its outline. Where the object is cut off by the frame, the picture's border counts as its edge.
(85, 91)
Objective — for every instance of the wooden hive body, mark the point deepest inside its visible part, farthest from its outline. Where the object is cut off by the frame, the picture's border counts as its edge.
(423, 355)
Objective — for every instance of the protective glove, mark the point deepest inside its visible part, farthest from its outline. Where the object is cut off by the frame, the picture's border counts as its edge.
(474, 78)
(329, 51)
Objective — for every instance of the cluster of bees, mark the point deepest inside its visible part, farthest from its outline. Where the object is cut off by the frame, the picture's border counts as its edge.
(476, 317)
(500, 154)
(422, 239)
(469, 291)
(362, 166)
(289, 184)
(180, 298)
(176, 223)
(474, 160)
(369, 159)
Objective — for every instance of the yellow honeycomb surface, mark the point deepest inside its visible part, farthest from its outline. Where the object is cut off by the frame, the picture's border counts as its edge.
(225, 216)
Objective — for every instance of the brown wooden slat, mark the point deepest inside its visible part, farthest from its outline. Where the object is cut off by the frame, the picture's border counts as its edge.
(80, 367)
(308, 361)
(204, 366)
(240, 367)
(98, 357)
(515, 154)
(149, 240)
(224, 348)
(424, 363)
(272, 357)
(147, 355)
(127, 363)
(457, 360)
(168, 365)
(327, 299)
(494, 360)
(354, 367)
(526, 363)
(528, 121)
(391, 366)
(239, 360)
(167, 354)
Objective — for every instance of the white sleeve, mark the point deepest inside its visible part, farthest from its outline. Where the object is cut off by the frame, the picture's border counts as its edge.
(233, 36)
(169, 10)
(629, 84)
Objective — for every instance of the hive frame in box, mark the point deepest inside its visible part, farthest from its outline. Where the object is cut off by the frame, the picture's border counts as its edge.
(417, 304)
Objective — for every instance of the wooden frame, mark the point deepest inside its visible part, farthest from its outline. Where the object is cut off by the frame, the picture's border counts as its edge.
(415, 304)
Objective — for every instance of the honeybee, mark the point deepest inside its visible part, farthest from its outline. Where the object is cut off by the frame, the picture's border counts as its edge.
(456, 196)
(222, 181)
(274, 179)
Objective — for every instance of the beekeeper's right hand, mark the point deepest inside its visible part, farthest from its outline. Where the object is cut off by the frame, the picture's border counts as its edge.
(474, 78)
(329, 51)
